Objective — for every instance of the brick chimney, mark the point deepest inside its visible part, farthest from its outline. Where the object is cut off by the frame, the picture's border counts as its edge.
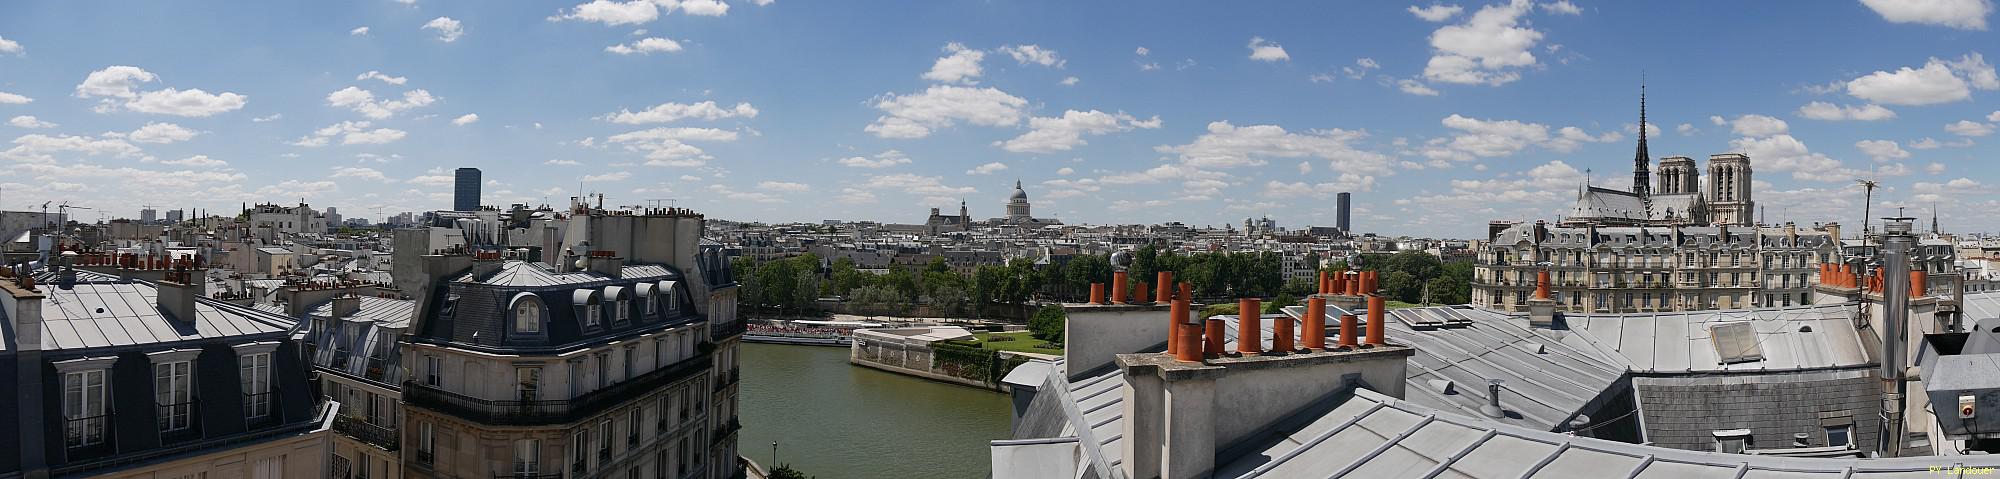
(606, 262)
(177, 292)
(346, 305)
(1541, 309)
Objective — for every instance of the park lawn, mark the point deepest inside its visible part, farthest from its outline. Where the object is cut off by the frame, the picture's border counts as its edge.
(1022, 343)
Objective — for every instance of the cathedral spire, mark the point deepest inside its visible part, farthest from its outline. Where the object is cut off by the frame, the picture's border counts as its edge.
(1641, 159)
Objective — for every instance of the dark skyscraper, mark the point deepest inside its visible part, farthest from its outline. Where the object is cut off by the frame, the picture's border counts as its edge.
(465, 192)
(1340, 218)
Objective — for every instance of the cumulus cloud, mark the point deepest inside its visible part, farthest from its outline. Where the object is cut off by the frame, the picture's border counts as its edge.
(38, 148)
(370, 174)
(612, 13)
(959, 65)
(375, 75)
(1414, 87)
(1229, 146)
(1069, 81)
(358, 31)
(29, 121)
(646, 46)
(1266, 51)
(915, 115)
(1783, 153)
(364, 102)
(1687, 129)
(929, 187)
(1026, 54)
(161, 133)
(1052, 134)
(1758, 125)
(783, 186)
(14, 99)
(881, 160)
(1488, 48)
(1436, 12)
(557, 162)
(466, 119)
(11, 47)
(448, 30)
(350, 133)
(670, 111)
(1969, 128)
(1938, 81)
(987, 169)
(1820, 110)
(1959, 14)
(607, 177)
(1881, 150)
(667, 146)
(1560, 7)
(198, 161)
(1495, 138)
(1346, 182)
(118, 85)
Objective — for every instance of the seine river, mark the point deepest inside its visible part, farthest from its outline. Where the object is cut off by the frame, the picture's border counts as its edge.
(836, 421)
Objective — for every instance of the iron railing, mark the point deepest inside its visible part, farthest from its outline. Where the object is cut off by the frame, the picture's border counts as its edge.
(368, 432)
(734, 328)
(552, 411)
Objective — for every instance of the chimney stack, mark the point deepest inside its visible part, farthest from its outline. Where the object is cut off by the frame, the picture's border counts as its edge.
(1322, 282)
(1187, 343)
(1211, 346)
(177, 293)
(1249, 326)
(1314, 335)
(1917, 278)
(1281, 335)
(1376, 307)
(1141, 293)
(1118, 287)
(1096, 293)
(1895, 255)
(1164, 288)
(1348, 331)
(346, 305)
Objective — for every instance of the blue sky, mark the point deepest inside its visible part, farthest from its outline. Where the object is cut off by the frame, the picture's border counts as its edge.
(1438, 116)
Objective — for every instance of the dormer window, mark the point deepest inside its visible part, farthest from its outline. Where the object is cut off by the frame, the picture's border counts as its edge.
(527, 314)
(589, 312)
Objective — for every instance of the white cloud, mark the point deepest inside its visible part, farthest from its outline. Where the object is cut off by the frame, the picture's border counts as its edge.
(198, 161)
(612, 13)
(370, 174)
(1686, 129)
(271, 117)
(926, 186)
(881, 160)
(358, 31)
(1758, 125)
(363, 102)
(1881, 150)
(1052, 134)
(1069, 81)
(350, 133)
(562, 163)
(1414, 87)
(726, 192)
(1939, 81)
(375, 75)
(432, 180)
(1228, 146)
(1488, 48)
(1262, 50)
(1436, 12)
(666, 146)
(703, 8)
(613, 176)
(1561, 7)
(1065, 171)
(1928, 143)
(1783, 153)
(1995, 116)
(960, 65)
(783, 186)
(14, 99)
(1346, 182)
(646, 46)
(161, 133)
(668, 112)
(1820, 110)
(466, 119)
(120, 82)
(1934, 168)
(1959, 14)
(38, 148)
(448, 30)
(1496, 138)
(29, 121)
(1142, 51)
(1969, 128)
(10, 46)
(940, 106)
(1025, 54)
(1360, 69)
(987, 169)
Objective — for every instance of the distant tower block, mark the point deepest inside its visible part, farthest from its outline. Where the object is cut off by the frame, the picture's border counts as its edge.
(1344, 203)
(465, 190)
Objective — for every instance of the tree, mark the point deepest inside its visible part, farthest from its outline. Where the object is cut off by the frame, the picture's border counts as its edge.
(1402, 286)
(845, 277)
(880, 296)
(785, 471)
(1087, 269)
(1145, 264)
(1048, 324)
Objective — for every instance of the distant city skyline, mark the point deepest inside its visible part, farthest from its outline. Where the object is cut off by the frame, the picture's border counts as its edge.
(1438, 116)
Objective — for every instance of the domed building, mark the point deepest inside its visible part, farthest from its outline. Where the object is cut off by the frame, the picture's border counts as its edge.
(1017, 205)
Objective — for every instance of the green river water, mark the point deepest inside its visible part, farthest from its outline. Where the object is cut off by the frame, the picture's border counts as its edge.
(834, 420)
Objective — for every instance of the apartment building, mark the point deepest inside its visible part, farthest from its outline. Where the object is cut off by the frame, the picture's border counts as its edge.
(1621, 269)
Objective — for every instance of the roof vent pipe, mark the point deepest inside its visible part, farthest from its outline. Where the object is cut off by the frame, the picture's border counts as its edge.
(1894, 277)
(1492, 407)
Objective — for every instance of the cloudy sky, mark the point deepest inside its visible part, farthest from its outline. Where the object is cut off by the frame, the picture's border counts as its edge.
(1439, 116)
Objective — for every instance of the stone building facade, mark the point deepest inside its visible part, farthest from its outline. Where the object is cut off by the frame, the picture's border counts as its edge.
(1620, 269)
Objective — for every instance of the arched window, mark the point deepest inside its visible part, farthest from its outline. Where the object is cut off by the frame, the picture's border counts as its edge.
(527, 314)
(588, 314)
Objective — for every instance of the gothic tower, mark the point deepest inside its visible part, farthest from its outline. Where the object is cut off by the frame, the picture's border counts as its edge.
(1729, 199)
(1640, 158)
(1677, 176)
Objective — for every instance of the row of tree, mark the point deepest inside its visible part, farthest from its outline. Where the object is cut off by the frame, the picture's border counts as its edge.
(791, 285)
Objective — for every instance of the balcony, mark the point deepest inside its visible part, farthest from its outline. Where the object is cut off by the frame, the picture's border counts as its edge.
(552, 411)
(720, 331)
(360, 429)
(727, 430)
(426, 457)
(726, 379)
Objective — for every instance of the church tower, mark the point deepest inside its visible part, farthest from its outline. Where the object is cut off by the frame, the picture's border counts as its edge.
(1641, 158)
(1729, 199)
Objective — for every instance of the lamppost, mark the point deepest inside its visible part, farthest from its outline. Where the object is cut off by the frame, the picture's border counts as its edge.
(774, 454)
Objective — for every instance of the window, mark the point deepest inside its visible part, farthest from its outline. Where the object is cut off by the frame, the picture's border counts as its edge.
(603, 370)
(632, 434)
(1841, 435)
(653, 303)
(529, 381)
(607, 432)
(631, 361)
(173, 387)
(527, 457)
(83, 408)
(255, 371)
(1733, 441)
(622, 310)
(426, 442)
(433, 371)
(527, 316)
(362, 472)
(592, 316)
(581, 452)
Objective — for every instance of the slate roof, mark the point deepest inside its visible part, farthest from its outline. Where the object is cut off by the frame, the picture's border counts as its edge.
(102, 311)
(522, 273)
(370, 332)
(1790, 338)
(1597, 202)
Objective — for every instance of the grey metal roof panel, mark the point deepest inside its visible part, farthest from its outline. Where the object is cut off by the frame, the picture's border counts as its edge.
(389, 312)
(1797, 337)
(95, 314)
(522, 273)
